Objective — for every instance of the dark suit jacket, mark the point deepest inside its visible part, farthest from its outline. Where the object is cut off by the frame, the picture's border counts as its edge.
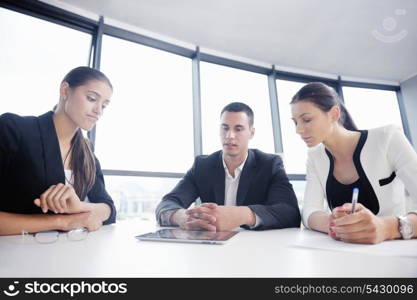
(30, 162)
(263, 186)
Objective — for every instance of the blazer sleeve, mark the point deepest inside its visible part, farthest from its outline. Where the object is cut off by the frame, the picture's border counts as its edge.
(98, 194)
(281, 207)
(182, 196)
(314, 192)
(9, 143)
(403, 158)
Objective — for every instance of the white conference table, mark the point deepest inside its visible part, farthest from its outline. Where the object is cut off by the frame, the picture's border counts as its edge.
(114, 252)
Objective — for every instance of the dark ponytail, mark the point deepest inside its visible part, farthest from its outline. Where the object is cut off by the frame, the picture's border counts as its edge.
(345, 118)
(324, 97)
(82, 162)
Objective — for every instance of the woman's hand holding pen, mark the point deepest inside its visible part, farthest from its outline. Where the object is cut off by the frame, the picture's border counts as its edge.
(60, 198)
(362, 226)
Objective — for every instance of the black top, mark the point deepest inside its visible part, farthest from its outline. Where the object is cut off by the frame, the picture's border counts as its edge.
(30, 162)
(338, 193)
(263, 187)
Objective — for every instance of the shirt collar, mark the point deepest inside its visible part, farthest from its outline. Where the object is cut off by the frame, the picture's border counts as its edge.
(238, 169)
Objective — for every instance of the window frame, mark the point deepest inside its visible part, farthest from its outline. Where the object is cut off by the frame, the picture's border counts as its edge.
(98, 28)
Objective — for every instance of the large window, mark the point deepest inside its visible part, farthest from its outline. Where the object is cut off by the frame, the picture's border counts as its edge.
(148, 125)
(372, 108)
(295, 150)
(221, 85)
(299, 188)
(138, 196)
(35, 55)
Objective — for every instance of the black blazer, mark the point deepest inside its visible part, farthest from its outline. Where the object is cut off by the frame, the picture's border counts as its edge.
(263, 186)
(30, 162)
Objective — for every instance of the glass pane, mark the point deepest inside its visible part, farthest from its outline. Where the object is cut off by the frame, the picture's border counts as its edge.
(138, 196)
(295, 150)
(299, 187)
(149, 119)
(221, 85)
(35, 55)
(372, 108)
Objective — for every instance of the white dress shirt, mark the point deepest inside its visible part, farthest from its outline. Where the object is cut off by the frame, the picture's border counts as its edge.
(69, 180)
(231, 185)
(230, 193)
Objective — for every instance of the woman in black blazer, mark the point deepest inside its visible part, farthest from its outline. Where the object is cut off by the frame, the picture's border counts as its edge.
(49, 176)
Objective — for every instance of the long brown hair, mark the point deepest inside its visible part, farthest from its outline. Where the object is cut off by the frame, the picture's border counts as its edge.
(325, 97)
(82, 161)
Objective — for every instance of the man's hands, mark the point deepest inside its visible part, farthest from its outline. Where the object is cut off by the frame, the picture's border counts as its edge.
(192, 222)
(213, 217)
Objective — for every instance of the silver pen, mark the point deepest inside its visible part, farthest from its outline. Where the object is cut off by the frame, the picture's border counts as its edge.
(197, 202)
(354, 198)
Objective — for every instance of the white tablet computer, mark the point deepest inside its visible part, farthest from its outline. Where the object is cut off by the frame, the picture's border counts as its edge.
(188, 236)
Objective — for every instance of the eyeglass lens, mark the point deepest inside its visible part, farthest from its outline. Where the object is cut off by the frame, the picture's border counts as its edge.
(77, 234)
(47, 237)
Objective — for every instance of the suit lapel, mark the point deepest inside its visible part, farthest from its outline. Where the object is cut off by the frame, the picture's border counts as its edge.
(219, 180)
(54, 170)
(246, 177)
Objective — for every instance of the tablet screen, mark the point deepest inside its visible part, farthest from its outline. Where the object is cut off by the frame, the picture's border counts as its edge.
(188, 235)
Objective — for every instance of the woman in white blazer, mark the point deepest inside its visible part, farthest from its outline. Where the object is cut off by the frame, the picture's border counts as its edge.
(380, 162)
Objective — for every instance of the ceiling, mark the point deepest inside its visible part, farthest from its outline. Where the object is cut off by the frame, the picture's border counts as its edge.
(372, 40)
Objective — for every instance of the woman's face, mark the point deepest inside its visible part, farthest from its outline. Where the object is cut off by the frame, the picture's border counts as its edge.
(84, 104)
(311, 123)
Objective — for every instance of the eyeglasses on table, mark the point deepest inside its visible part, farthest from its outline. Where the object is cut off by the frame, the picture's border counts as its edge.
(51, 236)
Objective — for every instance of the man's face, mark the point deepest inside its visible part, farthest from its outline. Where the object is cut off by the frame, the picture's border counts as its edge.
(235, 133)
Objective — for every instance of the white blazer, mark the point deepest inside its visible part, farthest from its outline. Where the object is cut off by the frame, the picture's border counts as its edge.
(386, 150)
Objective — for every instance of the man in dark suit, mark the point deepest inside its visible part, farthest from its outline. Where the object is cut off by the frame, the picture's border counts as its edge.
(238, 186)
